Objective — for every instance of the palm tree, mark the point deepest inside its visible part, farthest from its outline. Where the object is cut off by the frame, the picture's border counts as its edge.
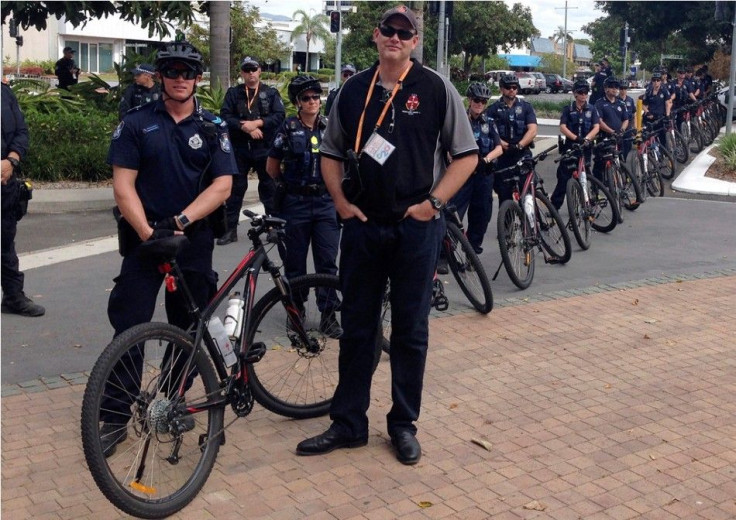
(312, 27)
(561, 35)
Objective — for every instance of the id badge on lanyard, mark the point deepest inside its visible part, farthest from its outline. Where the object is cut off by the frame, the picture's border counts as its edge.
(378, 148)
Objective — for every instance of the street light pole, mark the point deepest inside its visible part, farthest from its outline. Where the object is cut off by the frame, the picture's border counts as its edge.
(564, 50)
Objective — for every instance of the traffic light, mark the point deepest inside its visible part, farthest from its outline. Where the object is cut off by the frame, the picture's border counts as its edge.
(13, 28)
(19, 41)
(335, 22)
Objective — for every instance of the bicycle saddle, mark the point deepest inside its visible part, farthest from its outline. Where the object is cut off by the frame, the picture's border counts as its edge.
(163, 249)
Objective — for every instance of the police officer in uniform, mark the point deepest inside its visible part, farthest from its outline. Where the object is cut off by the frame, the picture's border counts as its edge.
(347, 71)
(613, 118)
(657, 102)
(14, 149)
(253, 112)
(143, 90)
(599, 79)
(172, 166)
(301, 197)
(683, 93)
(516, 123)
(579, 124)
(476, 195)
(630, 112)
(66, 69)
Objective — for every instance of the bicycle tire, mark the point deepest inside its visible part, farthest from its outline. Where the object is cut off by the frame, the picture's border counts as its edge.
(518, 257)
(655, 184)
(667, 164)
(697, 141)
(679, 149)
(605, 212)
(293, 379)
(166, 486)
(579, 222)
(613, 187)
(631, 193)
(552, 232)
(467, 269)
(640, 173)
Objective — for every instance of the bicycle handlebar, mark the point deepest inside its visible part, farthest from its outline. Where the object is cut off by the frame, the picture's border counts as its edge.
(527, 162)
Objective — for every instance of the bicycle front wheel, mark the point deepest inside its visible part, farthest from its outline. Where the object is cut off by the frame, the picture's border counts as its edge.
(667, 165)
(297, 379)
(603, 209)
(555, 238)
(467, 269)
(678, 146)
(579, 221)
(631, 196)
(655, 184)
(163, 454)
(517, 255)
(615, 187)
(640, 175)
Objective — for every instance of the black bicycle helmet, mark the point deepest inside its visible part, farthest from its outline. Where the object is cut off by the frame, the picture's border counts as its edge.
(302, 83)
(611, 82)
(182, 52)
(507, 80)
(579, 85)
(478, 90)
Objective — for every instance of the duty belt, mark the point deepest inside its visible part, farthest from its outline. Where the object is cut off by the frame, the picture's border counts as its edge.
(306, 190)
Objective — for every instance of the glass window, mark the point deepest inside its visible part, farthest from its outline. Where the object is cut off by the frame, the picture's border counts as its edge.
(93, 65)
(106, 57)
(83, 57)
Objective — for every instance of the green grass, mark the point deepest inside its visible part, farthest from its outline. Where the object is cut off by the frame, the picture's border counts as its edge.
(727, 147)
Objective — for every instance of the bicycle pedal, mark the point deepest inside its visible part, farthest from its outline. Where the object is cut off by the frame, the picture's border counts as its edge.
(552, 260)
(441, 303)
(255, 353)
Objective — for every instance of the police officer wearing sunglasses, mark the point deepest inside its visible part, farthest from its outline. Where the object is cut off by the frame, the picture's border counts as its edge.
(347, 72)
(301, 197)
(172, 167)
(253, 112)
(391, 126)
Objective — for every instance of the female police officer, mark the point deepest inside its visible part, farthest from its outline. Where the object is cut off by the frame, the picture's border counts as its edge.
(161, 155)
(302, 199)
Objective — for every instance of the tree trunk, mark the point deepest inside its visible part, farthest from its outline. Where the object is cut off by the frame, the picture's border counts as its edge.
(220, 44)
(418, 52)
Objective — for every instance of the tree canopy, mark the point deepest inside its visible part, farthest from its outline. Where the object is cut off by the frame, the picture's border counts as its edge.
(312, 28)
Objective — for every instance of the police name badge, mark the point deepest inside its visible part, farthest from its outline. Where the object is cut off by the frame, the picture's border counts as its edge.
(378, 148)
(195, 142)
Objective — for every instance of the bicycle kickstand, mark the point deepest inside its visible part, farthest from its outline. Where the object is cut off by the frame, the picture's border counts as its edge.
(495, 275)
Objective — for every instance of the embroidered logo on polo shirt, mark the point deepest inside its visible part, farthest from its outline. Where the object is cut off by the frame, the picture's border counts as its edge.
(412, 103)
(195, 142)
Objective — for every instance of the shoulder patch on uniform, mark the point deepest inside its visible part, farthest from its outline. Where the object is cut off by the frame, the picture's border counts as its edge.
(118, 130)
(225, 142)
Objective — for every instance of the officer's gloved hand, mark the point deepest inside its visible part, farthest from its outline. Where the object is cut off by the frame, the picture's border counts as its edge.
(516, 147)
(649, 116)
(580, 139)
(167, 223)
(161, 233)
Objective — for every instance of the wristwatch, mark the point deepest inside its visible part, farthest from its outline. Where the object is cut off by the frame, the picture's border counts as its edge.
(182, 220)
(436, 203)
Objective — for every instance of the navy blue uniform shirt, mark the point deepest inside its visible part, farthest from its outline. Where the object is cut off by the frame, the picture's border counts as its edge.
(656, 102)
(613, 113)
(579, 122)
(485, 133)
(297, 147)
(170, 158)
(511, 122)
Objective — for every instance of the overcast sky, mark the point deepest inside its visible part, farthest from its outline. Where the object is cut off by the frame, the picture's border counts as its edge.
(547, 14)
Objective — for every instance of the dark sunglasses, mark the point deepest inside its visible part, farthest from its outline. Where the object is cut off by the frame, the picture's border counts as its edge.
(250, 69)
(478, 100)
(512, 87)
(306, 98)
(581, 92)
(172, 73)
(656, 79)
(347, 74)
(389, 32)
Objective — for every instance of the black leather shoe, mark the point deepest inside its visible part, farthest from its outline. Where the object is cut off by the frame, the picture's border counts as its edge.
(327, 442)
(231, 235)
(442, 266)
(408, 450)
(23, 305)
(329, 325)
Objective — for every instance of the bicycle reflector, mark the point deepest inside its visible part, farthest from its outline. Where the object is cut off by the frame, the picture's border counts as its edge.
(143, 489)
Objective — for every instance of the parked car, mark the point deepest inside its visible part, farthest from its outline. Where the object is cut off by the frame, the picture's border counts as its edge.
(527, 83)
(555, 83)
(541, 81)
(567, 85)
(492, 76)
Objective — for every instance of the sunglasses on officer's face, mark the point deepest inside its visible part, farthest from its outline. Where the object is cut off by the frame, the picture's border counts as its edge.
(172, 73)
(479, 100)
(249, 69)
(585, 92)
(512, 87)
(389, 32)
(306, 98)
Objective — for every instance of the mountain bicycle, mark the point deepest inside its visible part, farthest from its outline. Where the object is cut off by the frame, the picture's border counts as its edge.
(589, 203)
(675, 146)
(689, 129)
(648, 162)
(285, 358)
(623, 186)
(528, 221)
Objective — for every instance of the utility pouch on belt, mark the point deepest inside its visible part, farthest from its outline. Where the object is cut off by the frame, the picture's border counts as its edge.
(279, 196)
(352, 182)
(128, 239)
(25, 193)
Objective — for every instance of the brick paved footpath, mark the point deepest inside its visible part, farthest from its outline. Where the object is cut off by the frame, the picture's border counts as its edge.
(614, 405)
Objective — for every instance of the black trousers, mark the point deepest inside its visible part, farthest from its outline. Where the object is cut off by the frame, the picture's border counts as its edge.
(266, 186)
(12, 278)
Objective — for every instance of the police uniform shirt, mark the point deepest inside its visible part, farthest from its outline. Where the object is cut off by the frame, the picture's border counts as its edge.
(511, 122)
(170, 158)
(681, 93)
(579, 122)
(612, 113)
(630, 108)
(297, 147)
(14, 129)
(136, 95)
(265, 104)
(656, 102)
(485, 133)
(598, 80)
(425, 121)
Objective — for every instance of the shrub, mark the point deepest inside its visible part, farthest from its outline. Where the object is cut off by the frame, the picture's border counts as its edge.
(727, 147)
(69, 146)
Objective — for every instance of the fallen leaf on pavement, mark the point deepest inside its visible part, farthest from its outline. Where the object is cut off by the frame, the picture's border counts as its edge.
(635, 302)
(646, 336)
(453, 406)
(482, 443)
(535, 505)
(650, 320)
(424, 505)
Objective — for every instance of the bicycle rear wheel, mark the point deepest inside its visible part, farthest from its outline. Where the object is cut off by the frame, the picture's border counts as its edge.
(467, 269)
(295, 379)
(614, 187)
(631, 196)
(667, 165)
(603, 209)
(678, 146)
(579, 221)
(655, 184)
(640, 173)
(696, 141)
(517, 255)
(173, 451)
(555, 238)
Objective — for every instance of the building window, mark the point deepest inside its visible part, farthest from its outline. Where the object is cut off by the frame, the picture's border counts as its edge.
(105, 59)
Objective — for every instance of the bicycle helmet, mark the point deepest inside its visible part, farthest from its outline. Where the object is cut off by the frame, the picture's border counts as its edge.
(183, 52)
(348, 67)
(478, 90)
(656, 75)
(611, 82)
(581, 85)
(625, 84)
(507, 80)
(302, 83)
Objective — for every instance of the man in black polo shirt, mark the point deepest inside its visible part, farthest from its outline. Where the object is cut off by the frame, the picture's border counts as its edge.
(401, 119)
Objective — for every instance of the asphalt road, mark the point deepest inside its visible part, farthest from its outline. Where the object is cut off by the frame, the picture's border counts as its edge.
(672, 235)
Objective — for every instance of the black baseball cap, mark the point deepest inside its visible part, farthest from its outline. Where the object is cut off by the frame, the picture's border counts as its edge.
(69, 49)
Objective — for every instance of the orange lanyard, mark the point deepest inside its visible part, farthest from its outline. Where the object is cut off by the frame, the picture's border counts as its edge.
(255, 95)
(385, 107)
